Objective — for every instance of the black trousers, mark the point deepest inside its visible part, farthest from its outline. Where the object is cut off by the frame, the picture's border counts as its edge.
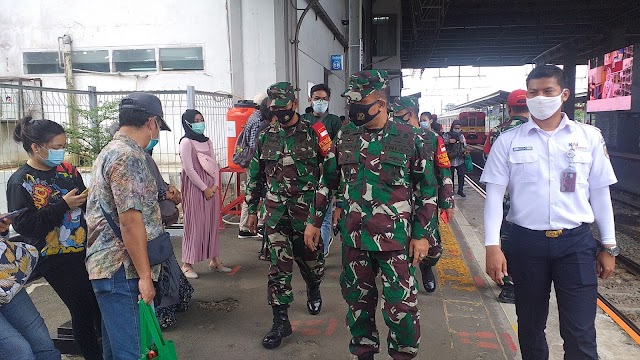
(569, 262)
(68, 276)
(460, 170)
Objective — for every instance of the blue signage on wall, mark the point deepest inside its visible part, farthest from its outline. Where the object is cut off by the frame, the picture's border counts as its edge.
(337, 62)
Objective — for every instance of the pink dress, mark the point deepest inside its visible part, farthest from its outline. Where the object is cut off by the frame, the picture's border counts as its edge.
(201, 216)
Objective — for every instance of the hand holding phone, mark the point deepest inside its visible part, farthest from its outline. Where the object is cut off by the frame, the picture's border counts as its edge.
(13, 214)
(85, 192)
(74, 200)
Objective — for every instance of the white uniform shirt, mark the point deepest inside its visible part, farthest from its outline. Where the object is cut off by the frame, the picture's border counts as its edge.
(530, 162)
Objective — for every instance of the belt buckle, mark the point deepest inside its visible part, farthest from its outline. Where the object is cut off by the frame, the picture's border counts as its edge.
(553, 233)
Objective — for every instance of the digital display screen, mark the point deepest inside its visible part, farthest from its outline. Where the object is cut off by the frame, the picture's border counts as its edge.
(610, 80)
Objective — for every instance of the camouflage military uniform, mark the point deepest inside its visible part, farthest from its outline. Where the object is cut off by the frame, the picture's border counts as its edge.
(389, 194)
(288, 161)
(438, 160)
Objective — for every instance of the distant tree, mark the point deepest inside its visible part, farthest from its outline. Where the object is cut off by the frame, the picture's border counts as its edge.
(89, 136)
(449, 106)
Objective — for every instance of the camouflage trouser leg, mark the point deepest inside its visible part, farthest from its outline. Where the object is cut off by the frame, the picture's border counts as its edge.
(435, 251)
(399, 307)
(287, 245)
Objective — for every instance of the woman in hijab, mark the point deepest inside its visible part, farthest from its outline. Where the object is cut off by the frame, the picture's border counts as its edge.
(200, 200)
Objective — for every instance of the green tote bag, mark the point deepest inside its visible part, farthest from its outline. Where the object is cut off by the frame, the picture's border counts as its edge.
(152, 344)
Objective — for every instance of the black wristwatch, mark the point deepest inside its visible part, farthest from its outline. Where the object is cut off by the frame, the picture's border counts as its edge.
(613, 251)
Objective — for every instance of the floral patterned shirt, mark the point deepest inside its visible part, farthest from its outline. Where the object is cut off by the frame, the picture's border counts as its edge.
(121, 181)
(17, 261)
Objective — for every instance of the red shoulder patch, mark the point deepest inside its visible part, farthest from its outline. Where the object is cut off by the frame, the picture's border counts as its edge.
(442, 158)
(324, 141)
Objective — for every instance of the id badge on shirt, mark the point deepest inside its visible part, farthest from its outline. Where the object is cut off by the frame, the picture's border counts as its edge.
(568, 182)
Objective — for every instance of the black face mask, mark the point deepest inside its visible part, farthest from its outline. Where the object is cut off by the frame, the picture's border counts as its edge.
(359, 113)
(284, 116)
(403, 118)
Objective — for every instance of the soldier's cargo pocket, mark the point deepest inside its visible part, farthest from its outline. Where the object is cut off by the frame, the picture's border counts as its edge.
(393, 169)
(271, 157)
(305, 161)
(350, 172)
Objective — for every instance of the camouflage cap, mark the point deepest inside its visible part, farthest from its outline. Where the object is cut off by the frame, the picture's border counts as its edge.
(281, 94)
(364, 83)
(404, 102)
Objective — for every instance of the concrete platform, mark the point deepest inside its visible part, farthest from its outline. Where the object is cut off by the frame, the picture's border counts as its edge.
(461, 320)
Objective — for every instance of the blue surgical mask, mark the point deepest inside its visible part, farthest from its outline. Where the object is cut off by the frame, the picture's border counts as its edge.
(198, 127)
(153, 142)
(55, 157)
(424, 124)
(320, 106)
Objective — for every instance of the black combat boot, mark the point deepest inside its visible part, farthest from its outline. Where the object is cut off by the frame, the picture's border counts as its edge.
(428, 278)
(281, 327)
(314, 300)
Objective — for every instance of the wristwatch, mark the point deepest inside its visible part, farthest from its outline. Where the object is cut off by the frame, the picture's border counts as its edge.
(613, 251)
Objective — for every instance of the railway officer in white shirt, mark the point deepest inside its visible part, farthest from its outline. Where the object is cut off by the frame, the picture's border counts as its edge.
(558, 174)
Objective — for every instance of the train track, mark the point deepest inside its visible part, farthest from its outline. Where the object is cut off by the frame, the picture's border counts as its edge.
(619, 296)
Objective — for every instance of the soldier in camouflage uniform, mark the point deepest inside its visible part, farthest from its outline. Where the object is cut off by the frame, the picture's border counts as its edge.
(518, 115)
(389, 193)
(287, 159)
(405, 110)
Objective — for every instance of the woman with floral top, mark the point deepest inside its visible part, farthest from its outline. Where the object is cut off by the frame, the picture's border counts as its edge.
(54, 194)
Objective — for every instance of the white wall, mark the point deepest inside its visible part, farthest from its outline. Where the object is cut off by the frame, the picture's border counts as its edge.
(258, 37)
(317, 44)
(36, 25)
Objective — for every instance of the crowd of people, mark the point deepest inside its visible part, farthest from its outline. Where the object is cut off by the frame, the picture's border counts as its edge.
(382, 178)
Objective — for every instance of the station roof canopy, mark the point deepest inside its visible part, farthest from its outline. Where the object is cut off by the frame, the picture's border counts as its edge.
(441, 33)
(498, 98)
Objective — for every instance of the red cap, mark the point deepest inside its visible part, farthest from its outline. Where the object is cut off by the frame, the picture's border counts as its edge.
(517, 98)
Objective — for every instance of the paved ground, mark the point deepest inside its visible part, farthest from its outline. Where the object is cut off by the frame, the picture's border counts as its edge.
(461, 320)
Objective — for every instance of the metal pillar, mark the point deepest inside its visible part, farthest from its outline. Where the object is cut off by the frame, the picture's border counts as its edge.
(191, 97)
(570, 69)
(355, 36)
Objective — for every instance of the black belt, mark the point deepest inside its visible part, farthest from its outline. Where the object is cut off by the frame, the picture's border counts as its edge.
(556, 233)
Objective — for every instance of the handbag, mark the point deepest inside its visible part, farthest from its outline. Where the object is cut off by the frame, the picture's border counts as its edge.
(159, 249)
(468, 163)
(152, 344)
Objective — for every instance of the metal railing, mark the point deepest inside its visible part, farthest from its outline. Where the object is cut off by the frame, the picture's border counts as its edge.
(18, 100)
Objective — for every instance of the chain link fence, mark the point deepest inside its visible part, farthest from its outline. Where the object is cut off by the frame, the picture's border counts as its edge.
(20, 98)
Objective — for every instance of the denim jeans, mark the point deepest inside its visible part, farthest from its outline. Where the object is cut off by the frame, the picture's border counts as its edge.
(23, 333)
(118, 301)
(327, 228)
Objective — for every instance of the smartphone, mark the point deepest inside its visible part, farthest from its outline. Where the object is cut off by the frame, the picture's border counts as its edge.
(85, 192)
(13, 214)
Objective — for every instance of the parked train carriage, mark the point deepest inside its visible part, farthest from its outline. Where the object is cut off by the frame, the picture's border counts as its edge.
(473, 125)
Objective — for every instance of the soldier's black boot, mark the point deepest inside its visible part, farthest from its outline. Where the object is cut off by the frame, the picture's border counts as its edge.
(281, 327)
(428, 278)
(314, 300)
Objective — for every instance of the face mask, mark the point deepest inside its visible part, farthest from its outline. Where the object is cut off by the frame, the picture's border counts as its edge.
(403, 118)
(543, 107)
(153, 141)
(55, 157)
(359, 113)
(424, 124)
(284, 116)
(198, 127)
(320, 106)
(457, 131)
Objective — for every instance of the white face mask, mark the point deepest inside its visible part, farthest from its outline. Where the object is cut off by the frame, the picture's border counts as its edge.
(320, 106)
(543, 107)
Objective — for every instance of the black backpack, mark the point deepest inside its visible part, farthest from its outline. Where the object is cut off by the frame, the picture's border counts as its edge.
(243, 153)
